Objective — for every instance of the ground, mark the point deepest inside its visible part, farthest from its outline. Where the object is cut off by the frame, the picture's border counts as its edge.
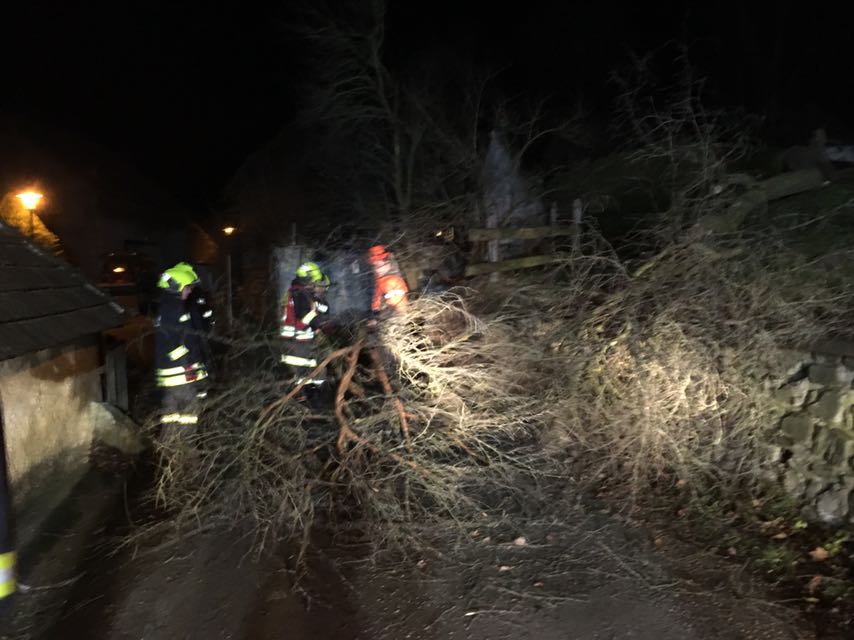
(590, 576)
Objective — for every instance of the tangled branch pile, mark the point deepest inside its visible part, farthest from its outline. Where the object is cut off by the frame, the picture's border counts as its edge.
(441, 439)
(636, 378)
(662, 373)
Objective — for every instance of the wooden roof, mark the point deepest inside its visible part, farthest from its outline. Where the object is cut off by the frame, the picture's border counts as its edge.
(44, 302)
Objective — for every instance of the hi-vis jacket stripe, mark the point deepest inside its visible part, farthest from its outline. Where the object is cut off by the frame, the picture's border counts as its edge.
(178, 352)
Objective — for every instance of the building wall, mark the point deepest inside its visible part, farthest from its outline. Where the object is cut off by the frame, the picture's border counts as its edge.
(47, 400)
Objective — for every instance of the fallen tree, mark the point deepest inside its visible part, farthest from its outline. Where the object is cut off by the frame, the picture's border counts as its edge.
(428, 427)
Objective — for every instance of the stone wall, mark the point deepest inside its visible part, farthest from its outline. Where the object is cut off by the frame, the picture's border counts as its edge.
(813, 444)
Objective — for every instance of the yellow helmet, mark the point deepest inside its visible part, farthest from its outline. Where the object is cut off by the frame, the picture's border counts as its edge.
(178, 277)
(310, 272)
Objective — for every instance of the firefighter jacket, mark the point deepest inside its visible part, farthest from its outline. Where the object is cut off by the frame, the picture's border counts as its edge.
(201, 313)
(390, 292)
(179, 348)
(303, 313)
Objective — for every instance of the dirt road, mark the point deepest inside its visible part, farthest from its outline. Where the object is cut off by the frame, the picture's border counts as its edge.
(593, 579)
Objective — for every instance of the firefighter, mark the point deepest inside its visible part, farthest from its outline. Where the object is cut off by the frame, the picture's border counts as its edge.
(8, 586)
(390, 289)
(179, 354)
(202, 320)
(305, 312)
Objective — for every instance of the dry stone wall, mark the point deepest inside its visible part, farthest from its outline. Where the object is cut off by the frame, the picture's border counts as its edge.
(812, 447)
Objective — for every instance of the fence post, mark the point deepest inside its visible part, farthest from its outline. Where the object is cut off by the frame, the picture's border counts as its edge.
(553, 223)
(493, 253)
(117, 381)
(577, 211)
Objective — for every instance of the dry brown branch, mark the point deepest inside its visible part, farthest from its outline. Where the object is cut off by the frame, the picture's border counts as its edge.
(346, 433)
(297, 388)
(381, 374)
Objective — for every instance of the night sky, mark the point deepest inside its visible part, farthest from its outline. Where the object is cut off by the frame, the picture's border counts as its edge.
(187, 89)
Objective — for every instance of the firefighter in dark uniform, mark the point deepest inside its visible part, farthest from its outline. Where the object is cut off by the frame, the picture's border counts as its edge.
(8, 586)
(181, 367)
(202, 319)
(305, 311)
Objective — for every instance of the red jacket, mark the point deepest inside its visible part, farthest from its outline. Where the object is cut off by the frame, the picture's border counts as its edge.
(302, 314)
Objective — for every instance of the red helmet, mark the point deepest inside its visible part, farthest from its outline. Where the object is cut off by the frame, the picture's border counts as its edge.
(378, 254)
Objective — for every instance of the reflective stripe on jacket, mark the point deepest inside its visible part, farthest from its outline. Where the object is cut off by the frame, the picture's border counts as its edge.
(301, 314)
(390, 293)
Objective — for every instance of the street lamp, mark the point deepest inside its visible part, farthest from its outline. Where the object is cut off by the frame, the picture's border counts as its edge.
(229, 231)
(30, 200)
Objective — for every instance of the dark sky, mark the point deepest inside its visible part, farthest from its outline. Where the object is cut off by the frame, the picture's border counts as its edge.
(187, 89)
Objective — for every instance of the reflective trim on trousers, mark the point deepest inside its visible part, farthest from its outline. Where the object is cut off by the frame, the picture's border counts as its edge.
(296, 361)
(170, 371)
(292, 333)
(181, 379)
(8, 585)
(179, 418)
(314, 381)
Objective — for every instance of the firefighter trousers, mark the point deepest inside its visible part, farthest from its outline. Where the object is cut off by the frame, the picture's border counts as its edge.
(302, 358)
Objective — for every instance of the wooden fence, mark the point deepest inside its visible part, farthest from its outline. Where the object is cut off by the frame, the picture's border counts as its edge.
(493, 236)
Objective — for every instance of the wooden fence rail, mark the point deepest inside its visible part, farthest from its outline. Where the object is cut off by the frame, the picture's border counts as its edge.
(518, 233)
(492, 235)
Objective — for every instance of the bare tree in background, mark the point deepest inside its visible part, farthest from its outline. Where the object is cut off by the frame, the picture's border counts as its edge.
(691, 146)
(389, 143)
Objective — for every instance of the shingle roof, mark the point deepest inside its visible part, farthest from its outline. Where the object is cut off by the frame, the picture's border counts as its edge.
(44, 302)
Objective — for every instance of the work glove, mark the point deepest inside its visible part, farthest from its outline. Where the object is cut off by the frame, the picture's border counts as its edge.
(190, 374)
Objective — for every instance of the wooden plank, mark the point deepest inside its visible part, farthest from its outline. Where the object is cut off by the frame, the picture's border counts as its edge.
(509, 265)
(24, 305)
(27, 278)
(518, 233)
(774, 188)
(19, 254)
